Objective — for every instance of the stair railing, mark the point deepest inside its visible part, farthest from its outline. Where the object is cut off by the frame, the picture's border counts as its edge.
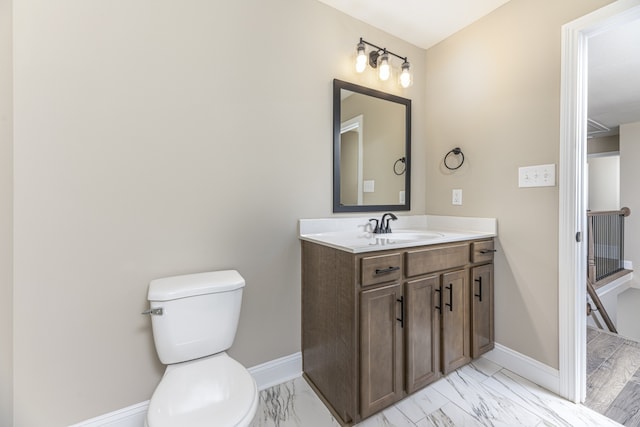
(606, 243)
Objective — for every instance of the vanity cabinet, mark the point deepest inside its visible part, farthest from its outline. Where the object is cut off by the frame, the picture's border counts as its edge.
(422, 332)
(381, 364)
(482, 300)
(453, 295)
(455, 321)
(378, 326)
(482, 310)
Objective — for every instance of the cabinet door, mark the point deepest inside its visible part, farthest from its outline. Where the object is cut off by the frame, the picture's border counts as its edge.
(381, 364)
(482, 339)
(422, 332)
(455, 320)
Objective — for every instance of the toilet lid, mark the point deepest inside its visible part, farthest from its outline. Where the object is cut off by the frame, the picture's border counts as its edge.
(213, 391)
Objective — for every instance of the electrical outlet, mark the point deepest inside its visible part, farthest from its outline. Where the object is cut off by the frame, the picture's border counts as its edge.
(456, 197)
(537, 176)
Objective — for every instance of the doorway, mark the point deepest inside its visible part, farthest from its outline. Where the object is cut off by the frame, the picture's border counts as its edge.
(573, 197)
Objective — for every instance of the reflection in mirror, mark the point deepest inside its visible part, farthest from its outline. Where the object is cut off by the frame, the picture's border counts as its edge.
(351, 145)
(371, 135)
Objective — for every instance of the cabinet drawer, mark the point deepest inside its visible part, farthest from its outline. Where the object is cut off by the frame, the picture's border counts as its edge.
(482, 251)
(380, 269)
(435, 259)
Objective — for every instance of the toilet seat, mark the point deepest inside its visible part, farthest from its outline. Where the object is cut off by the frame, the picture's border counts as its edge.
(215, 390)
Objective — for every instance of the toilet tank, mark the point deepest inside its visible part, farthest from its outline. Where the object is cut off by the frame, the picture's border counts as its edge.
(200, 314)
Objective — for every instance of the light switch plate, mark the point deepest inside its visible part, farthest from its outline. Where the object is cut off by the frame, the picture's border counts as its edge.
(368, 186)
(537, 176)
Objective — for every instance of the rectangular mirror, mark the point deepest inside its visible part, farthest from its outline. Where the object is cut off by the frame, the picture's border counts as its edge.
(371, 150)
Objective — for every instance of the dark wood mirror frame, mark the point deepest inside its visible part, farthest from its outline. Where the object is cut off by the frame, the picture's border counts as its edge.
(338, 86)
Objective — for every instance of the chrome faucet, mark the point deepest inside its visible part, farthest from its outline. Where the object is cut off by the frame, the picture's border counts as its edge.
(384, 227)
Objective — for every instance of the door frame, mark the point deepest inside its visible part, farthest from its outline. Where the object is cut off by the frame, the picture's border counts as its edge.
(572, 267)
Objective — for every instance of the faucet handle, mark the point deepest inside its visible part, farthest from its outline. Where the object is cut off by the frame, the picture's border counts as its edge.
(376, 229)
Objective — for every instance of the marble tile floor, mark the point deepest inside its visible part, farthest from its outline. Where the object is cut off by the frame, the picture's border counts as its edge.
(613, 376)
(479, 394)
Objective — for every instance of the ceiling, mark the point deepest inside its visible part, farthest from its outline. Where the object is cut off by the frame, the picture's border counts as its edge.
(614, 76)
(423, 23)
(614, 56)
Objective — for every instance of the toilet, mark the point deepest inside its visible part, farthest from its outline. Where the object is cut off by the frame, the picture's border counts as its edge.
(194, 320)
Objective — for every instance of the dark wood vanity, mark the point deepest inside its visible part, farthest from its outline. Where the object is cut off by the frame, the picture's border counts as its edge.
(377, 326)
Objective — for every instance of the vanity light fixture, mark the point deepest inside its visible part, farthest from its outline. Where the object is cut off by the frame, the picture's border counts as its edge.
(379, 59)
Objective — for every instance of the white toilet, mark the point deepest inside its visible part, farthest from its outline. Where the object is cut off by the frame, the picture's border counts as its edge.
(194, 319)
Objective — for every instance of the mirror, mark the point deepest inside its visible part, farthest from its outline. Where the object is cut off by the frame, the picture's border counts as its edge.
(371, 150)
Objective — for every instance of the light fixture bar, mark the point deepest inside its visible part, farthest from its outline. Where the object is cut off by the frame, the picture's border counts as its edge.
(383, 49)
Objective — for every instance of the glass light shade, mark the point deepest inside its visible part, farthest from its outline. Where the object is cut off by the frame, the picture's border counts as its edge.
(384, 67)
(405, 75)
(361, 59)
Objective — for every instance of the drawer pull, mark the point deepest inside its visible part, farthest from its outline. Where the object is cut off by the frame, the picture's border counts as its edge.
(439, 291)
(479, 294)
(488, 251)
(450, 303)
(386, 270)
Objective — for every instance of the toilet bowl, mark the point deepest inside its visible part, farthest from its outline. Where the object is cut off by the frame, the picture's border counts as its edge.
(194, 319)
(213, 391)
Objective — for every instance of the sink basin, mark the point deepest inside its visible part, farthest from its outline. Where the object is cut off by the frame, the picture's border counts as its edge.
(409, 235)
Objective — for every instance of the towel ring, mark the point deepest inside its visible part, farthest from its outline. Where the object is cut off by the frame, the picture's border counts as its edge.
(456, 152)
(403, 161)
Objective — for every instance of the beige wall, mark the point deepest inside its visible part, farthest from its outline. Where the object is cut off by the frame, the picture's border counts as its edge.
(163, 138)
(603, 144)
(629, 197)
(493, 89)
(6, 212)
(604, 183)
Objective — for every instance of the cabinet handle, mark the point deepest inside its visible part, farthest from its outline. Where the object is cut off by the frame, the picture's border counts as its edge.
(439, 291)
(479, 294)
(386, 270)
(401, 319)
(488, 251)
(450, 303)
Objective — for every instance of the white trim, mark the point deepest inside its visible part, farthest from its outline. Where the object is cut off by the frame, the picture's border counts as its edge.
(277, 371)
(267, 374)
(572, 215)
(537, 372)
(131, 416)
(572, 256)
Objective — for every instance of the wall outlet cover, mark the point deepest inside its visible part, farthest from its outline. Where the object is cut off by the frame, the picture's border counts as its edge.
(456, 197)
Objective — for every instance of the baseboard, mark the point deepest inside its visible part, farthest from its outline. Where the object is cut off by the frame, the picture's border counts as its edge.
(267, 375)
(537, 372)
(277, 371)
(289, 367)
(131, 416)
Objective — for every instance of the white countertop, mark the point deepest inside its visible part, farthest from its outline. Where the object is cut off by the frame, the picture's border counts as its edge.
(355, 234)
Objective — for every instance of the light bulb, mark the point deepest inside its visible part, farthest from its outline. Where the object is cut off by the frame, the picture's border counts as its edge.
(405, 75)
(384, 68)
(361, 59)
